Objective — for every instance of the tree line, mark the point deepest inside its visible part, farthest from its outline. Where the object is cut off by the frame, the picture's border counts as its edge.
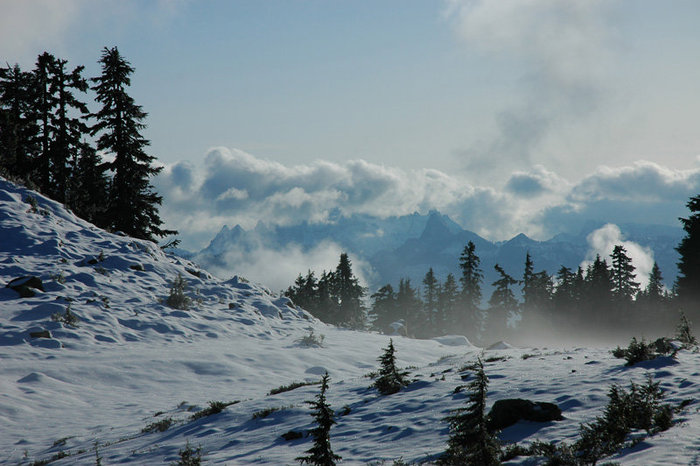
(46, 131)
(605, 295)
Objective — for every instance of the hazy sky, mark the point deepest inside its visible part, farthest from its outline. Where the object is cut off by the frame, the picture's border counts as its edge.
(510, 115)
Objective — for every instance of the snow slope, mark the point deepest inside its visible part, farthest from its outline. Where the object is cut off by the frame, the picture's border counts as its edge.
(132, 361)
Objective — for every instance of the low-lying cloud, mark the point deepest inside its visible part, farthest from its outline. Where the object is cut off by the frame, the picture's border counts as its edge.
(602, 242)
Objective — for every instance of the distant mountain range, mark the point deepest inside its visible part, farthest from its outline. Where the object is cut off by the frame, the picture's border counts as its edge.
(407, 246)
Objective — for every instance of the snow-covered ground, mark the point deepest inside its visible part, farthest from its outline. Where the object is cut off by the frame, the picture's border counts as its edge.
(133, 361)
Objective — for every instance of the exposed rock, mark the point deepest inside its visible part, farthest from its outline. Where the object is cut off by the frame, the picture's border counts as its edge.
(25, 286)
(507, 412)
(40, 334)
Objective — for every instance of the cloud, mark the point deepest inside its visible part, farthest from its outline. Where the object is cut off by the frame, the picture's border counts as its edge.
(559, 54)
(602, 242)
(233, 187)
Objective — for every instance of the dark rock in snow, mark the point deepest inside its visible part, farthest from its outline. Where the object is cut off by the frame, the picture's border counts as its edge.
(40, 334)
(507, 412)
(25, 286)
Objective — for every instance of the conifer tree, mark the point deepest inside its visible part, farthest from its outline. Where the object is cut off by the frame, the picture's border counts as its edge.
(18, 128)
(471, 280)
(598, 290)
(390, 379)
(45, 101)
(502, 302)
(470, 442)
(348, 293)
(409, 305)
(321, 454)
(133, 206)
(622, 275)
(384, 308)
(90, 187)
(688, 281)
(69, 127)
(431, 292)
(448, 305)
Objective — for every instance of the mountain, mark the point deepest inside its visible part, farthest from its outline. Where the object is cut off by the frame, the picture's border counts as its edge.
(407, 246)
(131, 380)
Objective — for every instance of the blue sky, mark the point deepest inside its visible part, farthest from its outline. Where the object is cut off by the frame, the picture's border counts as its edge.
(510, 115)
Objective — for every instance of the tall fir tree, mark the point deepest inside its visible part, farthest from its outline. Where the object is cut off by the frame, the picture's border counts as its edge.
(90, 187)
(471, 280)
(18, 128)
(598, 291)
(448, 306)
(409, 304)
(45, 101)
(69, 128)
(688, 281)
(431, 292)
(470, 442)
(133, 206)
(502, 303)
(321, 454)
(348, 293)
(622, 274)
(384, 310)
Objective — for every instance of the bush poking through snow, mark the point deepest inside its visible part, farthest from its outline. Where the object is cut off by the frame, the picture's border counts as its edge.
(685, 335)
(177, 298)
(320, 454)
(67, 318)
(158, 426)
(639, 408)
(263, 413)
(470, 441)
(291, 386)
(639, 351)
(390, 380)
(312, 340)
(190, 456)
(215, 407)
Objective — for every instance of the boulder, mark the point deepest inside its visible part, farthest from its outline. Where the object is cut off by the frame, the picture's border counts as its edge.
(40, 334)
(507, 412)
(25, 286)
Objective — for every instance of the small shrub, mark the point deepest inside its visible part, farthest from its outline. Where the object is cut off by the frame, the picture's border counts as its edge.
(263, 413)
(391, 379)
(158, 426)
(312, 340)
(639, 351)
(177, 298)
(67, 318)
(215, 407)
(291, 386)
(190, 456)
(33, 206)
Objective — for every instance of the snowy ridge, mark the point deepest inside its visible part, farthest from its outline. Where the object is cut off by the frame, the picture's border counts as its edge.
(133, 361)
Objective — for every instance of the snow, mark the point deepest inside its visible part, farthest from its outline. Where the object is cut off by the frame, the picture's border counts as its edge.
(132, 361)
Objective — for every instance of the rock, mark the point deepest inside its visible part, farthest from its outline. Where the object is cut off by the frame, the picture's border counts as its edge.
(507, 412)
(40, 334)
(25, 286)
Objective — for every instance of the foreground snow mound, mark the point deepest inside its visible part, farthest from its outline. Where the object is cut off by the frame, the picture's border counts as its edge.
(115, 287)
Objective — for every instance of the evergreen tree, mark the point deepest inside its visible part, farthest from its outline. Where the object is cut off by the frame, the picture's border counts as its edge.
(502, 302)
(68, 123)
(18, 128)
(390, 379)
(537, 291)
(598, 291)
(688, 281)
(448, 305)
(471, 280)
(470, 442)
(321, 454)
(326, 305)
(133, 206)
(45, 101)
(90, 188)
(409, 305)
(431, 292)
(349, 294)
(527, 283)
(384, 308)
(622, 275)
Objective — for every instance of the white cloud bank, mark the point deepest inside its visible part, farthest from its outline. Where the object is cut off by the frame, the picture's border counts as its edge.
(233, 187)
